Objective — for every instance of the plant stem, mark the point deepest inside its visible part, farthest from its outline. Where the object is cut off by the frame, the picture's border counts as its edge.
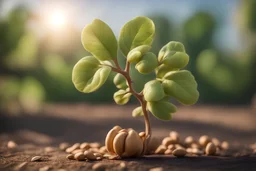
(140, 98)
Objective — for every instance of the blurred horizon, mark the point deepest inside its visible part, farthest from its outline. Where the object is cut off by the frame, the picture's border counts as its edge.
(40, 43)
(85, 11)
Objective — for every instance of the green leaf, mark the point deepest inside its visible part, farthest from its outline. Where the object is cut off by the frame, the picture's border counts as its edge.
(170, 48)
(162, 70)
(137, 112)
(177, 60)
(162, 109)
(153, 91)
(136, 54)
(120, 81)
(99, 40)
(182, 86)
(88, 75)
(147, 64)
(122, 97)
(137, 32)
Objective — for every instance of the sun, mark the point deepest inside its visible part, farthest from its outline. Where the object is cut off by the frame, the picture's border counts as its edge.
(57, 19)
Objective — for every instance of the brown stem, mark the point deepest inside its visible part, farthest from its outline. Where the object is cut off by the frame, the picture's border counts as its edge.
(140, 98)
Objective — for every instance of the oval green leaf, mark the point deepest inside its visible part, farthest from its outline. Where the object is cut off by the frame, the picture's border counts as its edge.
(122, 97)
(136, 54)
(170, 48)
(137, 32)
(88, 76)
(120, 81)
(137, 112)
(182, 86)
(99, 40)
(162, 109)
(153, 91)
(147, 64)
(177, 60)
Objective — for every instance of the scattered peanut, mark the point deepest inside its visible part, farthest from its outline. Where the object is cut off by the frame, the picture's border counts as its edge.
(98, 155)
(99, 167)
(189, 140)
(175, 136)
(63, 146)
(11, 144)
(77, 151)
(157, 169)
(45, 168)
(49, 149)
(85, 146)
(79, 156)
(167, 141)
(36, 158)
(168, 152)
(210, 149)
(204, 140)
(89, 155)
(73, 147)
(179, 152)
(70, 157)
(225, 145)
(216, 142)
(161, 149)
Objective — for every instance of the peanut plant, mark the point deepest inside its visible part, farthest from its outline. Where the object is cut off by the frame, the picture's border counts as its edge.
(135, 40)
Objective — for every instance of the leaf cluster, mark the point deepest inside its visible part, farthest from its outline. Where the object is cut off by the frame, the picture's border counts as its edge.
(135, 40)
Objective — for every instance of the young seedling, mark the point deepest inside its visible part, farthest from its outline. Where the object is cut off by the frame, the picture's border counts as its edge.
(135, 40)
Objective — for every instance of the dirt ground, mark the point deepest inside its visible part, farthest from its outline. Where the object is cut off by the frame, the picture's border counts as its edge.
(89, 123)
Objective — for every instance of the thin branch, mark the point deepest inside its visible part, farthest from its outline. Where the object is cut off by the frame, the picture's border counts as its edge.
(140, 98)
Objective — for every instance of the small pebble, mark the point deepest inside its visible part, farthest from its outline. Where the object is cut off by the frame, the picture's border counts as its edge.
(79, 156)
(36, 158)
(210, 149)
(49, 149)
(63, 146)
(122, 165)
(45, 168)
(157, 169)
(99, 167)
(204, 140)
(253, 146)
(11, 144)
(179, 152)
(20, 166)
(70, 157)
(225, 145)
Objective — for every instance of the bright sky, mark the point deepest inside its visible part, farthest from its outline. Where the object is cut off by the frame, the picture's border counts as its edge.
(118, 12)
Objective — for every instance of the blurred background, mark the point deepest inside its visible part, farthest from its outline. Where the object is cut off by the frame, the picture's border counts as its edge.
(40, 43)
